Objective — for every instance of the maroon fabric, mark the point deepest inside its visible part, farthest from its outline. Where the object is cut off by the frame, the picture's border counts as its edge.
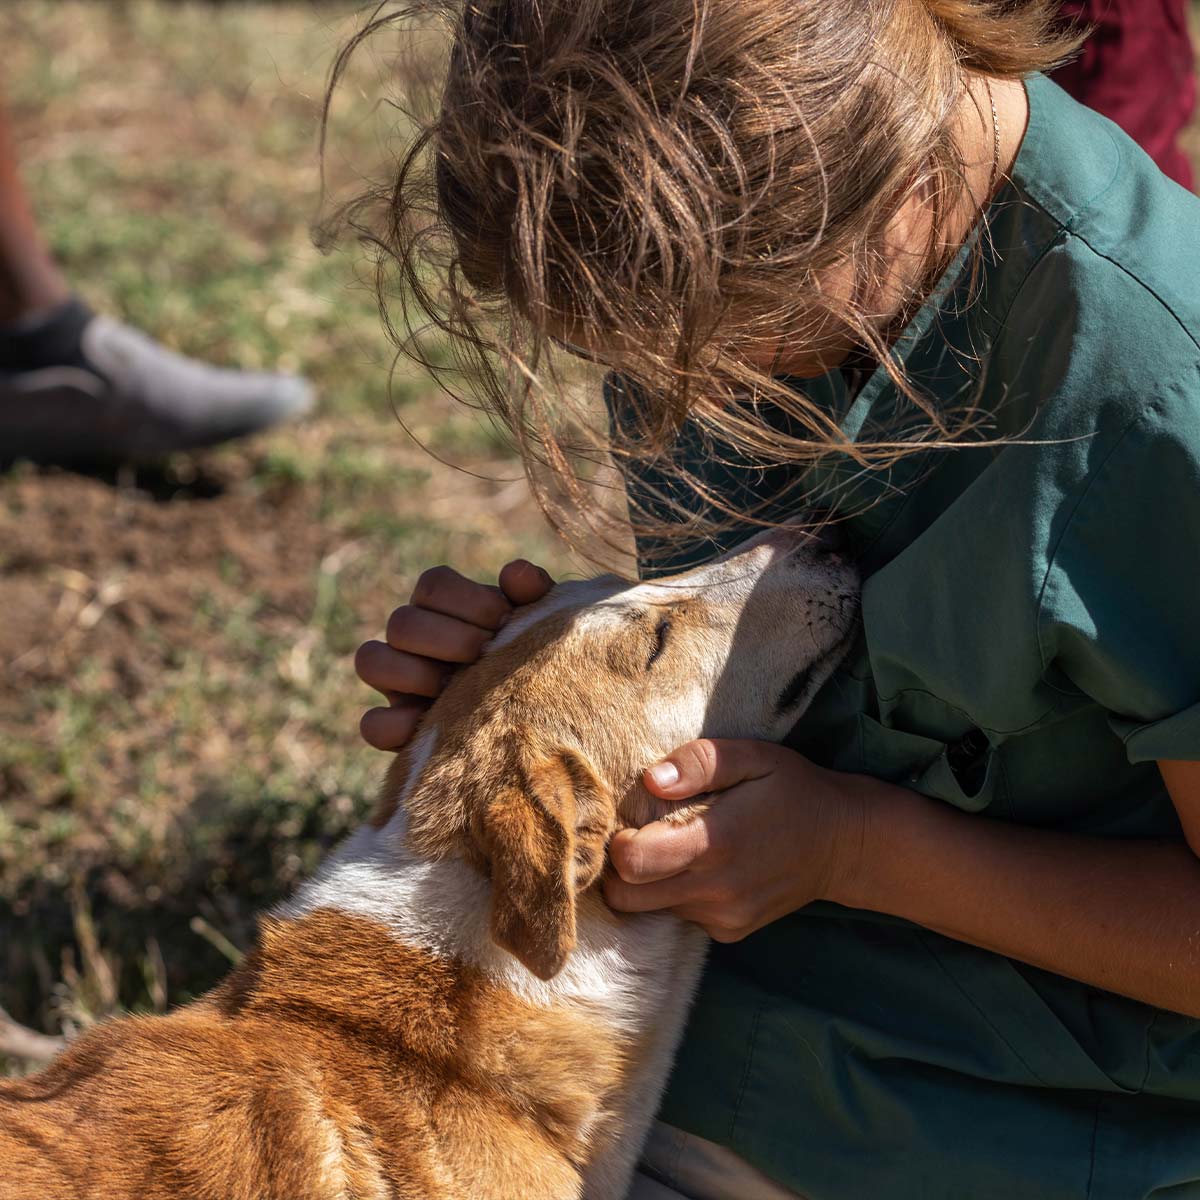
(1138, 69)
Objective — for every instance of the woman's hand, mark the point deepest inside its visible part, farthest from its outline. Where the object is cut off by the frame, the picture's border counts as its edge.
(446, 623)
(781, 833)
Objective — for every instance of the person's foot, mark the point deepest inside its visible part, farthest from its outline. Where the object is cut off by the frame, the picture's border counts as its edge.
(79, 387)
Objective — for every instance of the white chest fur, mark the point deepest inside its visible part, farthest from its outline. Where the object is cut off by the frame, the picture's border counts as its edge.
(634, 976)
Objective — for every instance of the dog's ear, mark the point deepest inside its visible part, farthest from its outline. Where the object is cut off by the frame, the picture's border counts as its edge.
(544, 832)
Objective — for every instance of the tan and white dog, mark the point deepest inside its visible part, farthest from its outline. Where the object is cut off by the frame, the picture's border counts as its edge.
(449, 1009)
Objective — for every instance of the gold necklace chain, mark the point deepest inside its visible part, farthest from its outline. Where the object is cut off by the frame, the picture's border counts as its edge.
(995, 176)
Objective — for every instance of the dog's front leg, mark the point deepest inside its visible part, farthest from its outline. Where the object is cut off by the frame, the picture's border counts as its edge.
(665, 1002)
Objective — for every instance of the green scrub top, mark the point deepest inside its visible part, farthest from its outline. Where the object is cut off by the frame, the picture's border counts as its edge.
(1030, 647)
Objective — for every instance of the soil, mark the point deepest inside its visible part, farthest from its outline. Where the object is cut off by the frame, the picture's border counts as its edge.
(141, 552)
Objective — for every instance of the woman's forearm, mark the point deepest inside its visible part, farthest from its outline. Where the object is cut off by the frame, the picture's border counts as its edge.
(1119, 914)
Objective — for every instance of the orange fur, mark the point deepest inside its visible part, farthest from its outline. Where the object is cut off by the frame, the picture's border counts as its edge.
(339, 1062)
(360, 1057)
(334, 1062)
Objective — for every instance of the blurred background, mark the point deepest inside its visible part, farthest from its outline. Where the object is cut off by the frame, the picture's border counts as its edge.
(178, 705)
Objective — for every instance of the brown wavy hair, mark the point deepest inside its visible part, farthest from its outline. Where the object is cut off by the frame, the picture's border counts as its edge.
(667, 181)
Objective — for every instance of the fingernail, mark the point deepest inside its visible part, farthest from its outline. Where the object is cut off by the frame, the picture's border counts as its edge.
(664, 774)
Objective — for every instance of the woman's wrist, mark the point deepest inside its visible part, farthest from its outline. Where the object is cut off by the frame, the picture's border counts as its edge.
(881, 825)
(1115, 913)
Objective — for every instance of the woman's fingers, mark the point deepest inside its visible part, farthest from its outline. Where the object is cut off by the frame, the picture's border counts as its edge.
(444, 590)
(709, 765)
(524, 582)
(649, 897)
(391, 728)
(451, 618)
(447, 623)
(435, 635)
(658, 850)
(390, 671)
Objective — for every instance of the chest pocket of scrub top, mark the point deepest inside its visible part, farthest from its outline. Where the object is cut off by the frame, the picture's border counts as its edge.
(965, 772)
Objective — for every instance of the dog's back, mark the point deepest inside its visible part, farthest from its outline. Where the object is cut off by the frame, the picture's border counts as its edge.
(449, 1011)
(334, 1062)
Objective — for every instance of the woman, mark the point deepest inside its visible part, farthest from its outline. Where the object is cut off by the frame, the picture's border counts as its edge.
(867, 257)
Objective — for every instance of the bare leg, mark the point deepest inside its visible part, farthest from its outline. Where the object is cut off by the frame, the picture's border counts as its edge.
(31, 282)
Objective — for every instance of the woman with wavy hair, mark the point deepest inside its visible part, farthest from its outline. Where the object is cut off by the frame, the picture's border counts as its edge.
(863, 260)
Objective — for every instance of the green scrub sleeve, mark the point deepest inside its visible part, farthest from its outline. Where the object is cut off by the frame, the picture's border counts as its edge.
(1120, 611)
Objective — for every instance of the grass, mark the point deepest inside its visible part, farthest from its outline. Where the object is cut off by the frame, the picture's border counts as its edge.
(178, 708)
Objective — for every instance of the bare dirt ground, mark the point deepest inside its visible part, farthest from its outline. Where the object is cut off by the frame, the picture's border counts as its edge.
(178, 707)
(178, 710)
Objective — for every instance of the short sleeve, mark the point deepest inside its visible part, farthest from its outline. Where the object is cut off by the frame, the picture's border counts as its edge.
(1120, 610)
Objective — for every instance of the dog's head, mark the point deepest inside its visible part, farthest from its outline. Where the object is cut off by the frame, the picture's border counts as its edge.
(532, 758)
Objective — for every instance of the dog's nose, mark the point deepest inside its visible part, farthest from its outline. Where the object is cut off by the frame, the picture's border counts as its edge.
(828, 540)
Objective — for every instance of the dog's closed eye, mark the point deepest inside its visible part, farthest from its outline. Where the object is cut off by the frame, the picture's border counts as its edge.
(661, 633)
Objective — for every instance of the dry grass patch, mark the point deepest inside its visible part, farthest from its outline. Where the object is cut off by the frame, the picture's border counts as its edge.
(178, 708)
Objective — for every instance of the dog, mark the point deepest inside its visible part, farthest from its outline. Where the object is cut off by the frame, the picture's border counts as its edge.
(449, 1010)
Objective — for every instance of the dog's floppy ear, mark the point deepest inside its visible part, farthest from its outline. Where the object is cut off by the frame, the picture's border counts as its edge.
(544, 832)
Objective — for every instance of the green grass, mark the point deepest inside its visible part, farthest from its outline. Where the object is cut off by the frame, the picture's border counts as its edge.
(178, 709)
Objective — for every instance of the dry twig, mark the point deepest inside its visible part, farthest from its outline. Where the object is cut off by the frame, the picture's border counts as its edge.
(19, 1042)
